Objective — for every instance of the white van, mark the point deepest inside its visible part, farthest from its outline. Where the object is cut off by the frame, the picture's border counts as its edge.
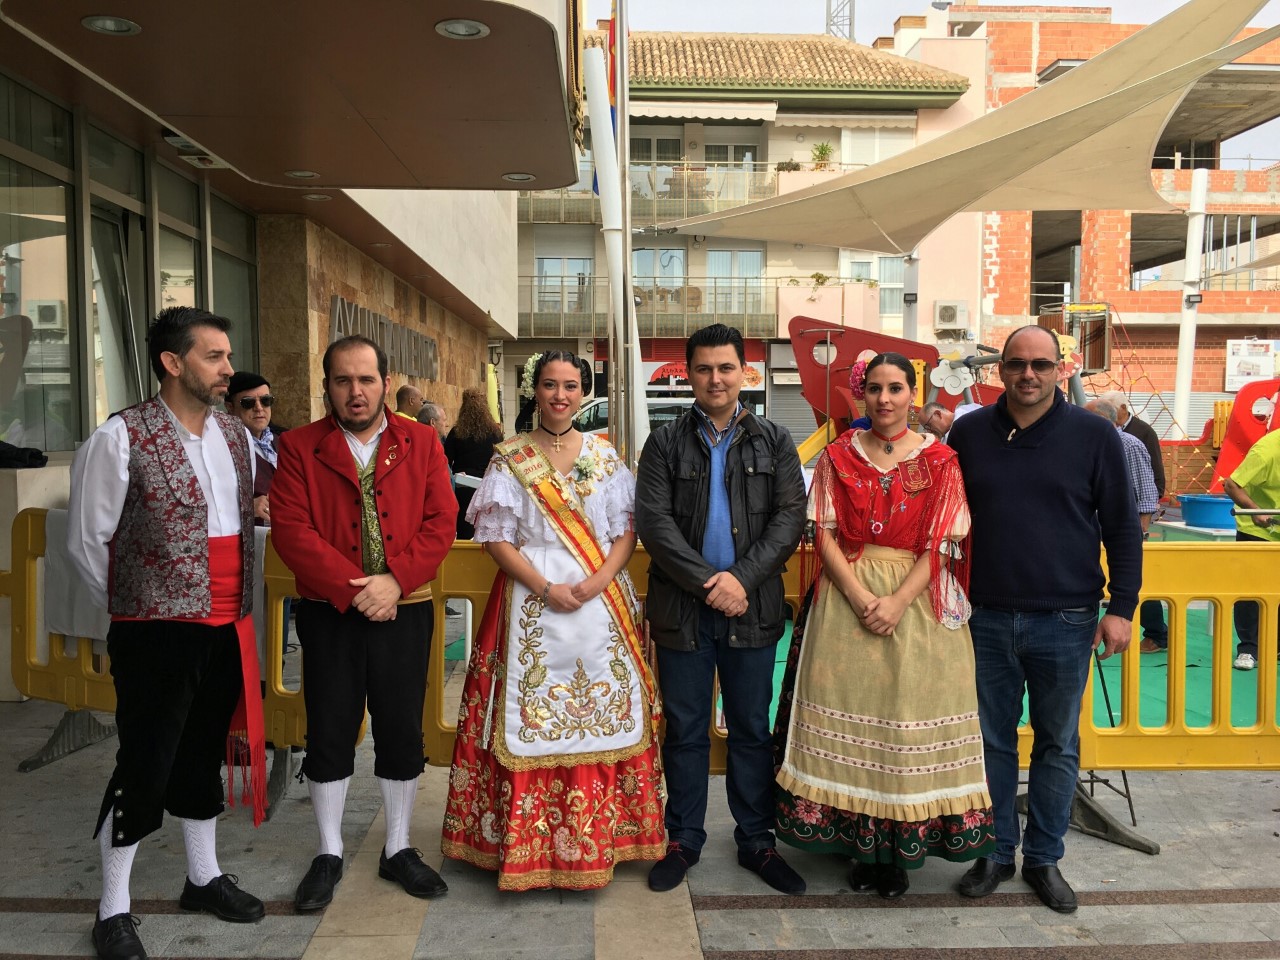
(594, 415)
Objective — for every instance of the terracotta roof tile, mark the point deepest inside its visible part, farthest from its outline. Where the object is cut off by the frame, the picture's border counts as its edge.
(779, 61)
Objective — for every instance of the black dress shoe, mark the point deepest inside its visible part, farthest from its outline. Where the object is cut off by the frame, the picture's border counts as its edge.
(891, 881)
(772, 869)
(983, 877)
(221, 897)
(315, 892)
(116, 938)
(1051, 887)
(407, 869)
(670, 870)
(862, 877)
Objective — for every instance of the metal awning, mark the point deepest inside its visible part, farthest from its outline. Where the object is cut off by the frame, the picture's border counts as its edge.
(847, 121)
(704, 110)
(1081, 142)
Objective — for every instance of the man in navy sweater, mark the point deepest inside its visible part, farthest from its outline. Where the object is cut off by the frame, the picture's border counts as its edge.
(1046, 482)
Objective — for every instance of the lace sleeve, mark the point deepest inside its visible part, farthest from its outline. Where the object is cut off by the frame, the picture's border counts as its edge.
(612, 505)
(499, 506)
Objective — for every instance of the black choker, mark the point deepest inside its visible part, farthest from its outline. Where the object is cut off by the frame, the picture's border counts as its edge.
(557, 444)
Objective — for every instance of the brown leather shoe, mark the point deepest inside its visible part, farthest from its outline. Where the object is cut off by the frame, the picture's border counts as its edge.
(1150, 646)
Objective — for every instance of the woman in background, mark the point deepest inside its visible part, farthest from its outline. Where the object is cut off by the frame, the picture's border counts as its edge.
(469, 448)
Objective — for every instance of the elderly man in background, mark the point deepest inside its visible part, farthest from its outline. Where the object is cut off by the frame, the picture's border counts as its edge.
(434, 416)
(408, 401)
(1155, 635)
(937, 419)
(1136, 461)
(249, 398)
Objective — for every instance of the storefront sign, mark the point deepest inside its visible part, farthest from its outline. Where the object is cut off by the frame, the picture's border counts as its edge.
(408, 352)
(1251, 360)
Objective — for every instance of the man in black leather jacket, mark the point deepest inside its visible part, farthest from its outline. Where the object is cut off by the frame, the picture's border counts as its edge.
(720, 507)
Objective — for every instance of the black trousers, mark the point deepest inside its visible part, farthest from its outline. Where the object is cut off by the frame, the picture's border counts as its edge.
(177, 686)
(348, 660)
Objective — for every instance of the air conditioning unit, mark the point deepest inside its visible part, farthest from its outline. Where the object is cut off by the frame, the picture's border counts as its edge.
(951, 318)
(48, 314)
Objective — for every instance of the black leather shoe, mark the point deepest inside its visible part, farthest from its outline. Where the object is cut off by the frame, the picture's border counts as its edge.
(891, 881)
(116, 938)
(862, 877)
(670, 870)
(773, 870)
(407, 869)
(221, 897)
(315, 892)
(1051, 887)
(983, 877)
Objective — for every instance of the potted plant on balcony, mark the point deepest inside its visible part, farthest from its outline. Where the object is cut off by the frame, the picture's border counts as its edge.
(787, 166)
(822, 153)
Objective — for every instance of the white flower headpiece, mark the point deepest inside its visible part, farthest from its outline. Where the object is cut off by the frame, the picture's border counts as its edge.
(526, 380)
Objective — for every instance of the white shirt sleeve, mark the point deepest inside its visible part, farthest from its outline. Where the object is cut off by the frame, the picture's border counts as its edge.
(99, 483)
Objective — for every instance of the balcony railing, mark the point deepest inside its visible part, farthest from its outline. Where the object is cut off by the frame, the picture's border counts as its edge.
(666, 191)
(570, 307)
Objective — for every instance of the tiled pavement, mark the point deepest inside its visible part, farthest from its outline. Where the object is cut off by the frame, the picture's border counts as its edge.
(1212, 892)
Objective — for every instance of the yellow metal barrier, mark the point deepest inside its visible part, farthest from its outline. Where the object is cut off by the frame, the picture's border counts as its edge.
(1177, 573)
(1221, 417)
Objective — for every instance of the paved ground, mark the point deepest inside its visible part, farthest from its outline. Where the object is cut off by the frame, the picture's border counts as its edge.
(1212, 892)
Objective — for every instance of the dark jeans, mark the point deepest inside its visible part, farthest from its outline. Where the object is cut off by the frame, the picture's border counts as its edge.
(1245, 613)
(1151, 616)
(746, 683)
(346, 659)
(1047, 655)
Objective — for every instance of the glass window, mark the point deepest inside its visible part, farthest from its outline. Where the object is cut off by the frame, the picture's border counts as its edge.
(667, 264)
(668, 150)
(115, 164)
(736, 153)
(641, 149)
(857, 270)
(736, 280)
(893, 271)
(34, 123)
(39, 396)
(235, 296)
(564, 284)
(179, 197)
(232, 226)
(178, 259)
(115, 369)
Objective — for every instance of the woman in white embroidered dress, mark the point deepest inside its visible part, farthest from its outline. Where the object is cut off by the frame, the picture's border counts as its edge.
(555, 772)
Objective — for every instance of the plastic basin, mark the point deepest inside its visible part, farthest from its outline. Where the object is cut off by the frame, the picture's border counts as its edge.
(1207, 510)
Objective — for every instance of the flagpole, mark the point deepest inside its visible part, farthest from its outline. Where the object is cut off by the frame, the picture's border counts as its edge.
(633, 381)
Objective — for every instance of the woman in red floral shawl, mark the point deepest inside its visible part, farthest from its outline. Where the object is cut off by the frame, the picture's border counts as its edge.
(879, 746)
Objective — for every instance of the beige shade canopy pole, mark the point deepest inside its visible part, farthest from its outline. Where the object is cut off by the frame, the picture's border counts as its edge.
(1083, 141)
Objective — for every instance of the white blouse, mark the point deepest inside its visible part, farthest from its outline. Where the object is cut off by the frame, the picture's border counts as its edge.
(502, 510)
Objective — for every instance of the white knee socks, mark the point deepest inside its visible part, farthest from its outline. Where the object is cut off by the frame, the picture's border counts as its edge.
(202, 857)
(328, 800)
(397, 803)
(117, 864)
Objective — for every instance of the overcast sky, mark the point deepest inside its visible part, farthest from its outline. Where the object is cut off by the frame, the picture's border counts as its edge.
(874, 18)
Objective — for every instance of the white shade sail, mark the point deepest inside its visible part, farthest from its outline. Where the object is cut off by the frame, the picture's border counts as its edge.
(1083, 141)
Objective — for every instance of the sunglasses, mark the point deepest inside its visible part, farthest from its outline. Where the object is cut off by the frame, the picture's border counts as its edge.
(1017, 366)
(248, 403)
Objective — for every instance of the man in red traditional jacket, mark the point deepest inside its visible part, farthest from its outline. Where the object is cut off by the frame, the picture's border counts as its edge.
(160, 527)
(363, 513)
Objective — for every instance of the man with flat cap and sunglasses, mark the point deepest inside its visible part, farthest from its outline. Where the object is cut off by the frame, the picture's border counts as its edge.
(249, 398)
(1046, 481)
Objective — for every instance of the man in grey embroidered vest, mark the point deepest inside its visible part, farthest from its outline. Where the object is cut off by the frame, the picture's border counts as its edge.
(160, 527)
